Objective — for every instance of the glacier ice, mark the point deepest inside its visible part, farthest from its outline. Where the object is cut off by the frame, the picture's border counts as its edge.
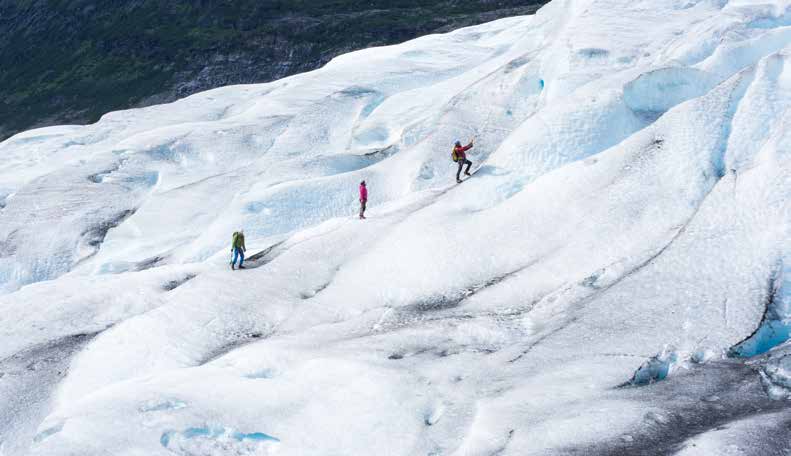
(631, 208)
(655, 369)
(205, 440)
(775, 328)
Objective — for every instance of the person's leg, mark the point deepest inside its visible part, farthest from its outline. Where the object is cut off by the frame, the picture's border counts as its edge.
(469, 164)
(235, 256)
(362, 208)
(241, 257)
(458, 172)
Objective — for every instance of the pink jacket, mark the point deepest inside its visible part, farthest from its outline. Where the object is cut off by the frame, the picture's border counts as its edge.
(363, 193)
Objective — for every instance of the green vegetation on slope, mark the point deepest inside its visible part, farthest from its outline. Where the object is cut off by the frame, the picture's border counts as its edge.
(70, 61)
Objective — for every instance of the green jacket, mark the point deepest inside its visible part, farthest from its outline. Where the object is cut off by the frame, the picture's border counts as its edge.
(238, 241)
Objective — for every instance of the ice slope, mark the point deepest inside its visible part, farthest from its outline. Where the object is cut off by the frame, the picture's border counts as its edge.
(628, 228)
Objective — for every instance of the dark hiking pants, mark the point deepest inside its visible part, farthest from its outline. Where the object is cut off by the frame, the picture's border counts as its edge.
(462, 163)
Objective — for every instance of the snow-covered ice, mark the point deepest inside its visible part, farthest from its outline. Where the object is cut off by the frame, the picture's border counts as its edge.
(613, 280)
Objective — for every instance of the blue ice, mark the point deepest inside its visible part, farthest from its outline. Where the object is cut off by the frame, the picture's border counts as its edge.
(776, 326)
(259, 436)
(654, 370)
(265, 373)
(47, 432)
(771, 334)
(213, 433)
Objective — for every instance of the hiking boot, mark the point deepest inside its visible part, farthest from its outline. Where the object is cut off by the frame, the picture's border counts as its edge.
(458, 181)
(467, 173)
(242, 267)
(233, 267)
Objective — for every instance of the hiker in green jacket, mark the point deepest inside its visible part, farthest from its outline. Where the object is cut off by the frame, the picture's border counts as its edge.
(238, 249)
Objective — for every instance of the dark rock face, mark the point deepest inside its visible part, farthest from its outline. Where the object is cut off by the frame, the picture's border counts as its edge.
(72, 61)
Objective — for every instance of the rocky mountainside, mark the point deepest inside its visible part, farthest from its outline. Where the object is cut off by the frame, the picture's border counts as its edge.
(72, 61)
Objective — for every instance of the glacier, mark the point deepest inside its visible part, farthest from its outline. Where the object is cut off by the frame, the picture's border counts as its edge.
(614, 279)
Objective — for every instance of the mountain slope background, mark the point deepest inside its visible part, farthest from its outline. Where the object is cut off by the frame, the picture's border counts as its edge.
(72, 61)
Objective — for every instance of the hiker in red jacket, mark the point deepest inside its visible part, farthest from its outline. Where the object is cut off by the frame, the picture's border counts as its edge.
(363, 199)
(460, 157)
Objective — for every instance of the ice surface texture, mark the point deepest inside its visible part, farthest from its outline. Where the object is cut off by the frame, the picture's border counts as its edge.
(627, 230)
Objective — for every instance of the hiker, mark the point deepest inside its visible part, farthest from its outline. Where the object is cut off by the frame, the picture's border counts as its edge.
(238, 249)
(460, 157)
(363, 199)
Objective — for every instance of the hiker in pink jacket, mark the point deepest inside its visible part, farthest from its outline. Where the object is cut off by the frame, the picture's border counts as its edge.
(363, 199)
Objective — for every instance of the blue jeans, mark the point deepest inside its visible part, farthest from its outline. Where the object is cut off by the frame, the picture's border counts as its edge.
(237, 253)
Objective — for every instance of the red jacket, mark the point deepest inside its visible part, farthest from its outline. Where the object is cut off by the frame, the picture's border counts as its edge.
(460, 151)
(363, 193)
